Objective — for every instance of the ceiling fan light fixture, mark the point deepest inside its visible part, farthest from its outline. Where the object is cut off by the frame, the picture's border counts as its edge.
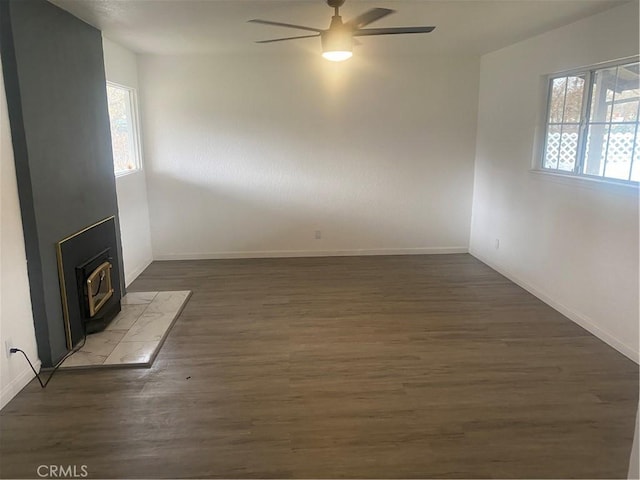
(337, 45)
(337, 55)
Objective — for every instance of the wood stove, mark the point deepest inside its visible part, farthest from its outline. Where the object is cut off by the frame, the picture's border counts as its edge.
(95, 291)
(89, 274)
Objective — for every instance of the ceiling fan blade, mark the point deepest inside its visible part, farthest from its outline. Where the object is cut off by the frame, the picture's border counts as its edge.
(392, 31)
(288, 38)
(368, 17)
(288, 25)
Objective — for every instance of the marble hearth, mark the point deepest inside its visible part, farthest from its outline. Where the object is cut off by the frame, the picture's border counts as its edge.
(135, 336)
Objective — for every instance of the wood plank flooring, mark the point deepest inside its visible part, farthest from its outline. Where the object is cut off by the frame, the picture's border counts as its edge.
(351, 367)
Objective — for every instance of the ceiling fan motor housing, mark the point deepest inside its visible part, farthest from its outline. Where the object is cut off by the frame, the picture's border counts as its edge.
(335, 3)
(337, 40)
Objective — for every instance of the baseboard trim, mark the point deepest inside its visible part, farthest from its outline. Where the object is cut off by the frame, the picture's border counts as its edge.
(135, 273)
(579, 318)
(311, 253)
(17, 384)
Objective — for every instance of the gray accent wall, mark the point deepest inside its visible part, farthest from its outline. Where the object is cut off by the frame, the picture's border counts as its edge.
(55, 84)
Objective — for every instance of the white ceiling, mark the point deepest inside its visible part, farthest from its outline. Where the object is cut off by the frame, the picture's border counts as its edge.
(220, 26)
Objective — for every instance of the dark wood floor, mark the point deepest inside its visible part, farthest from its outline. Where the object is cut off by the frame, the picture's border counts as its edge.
(358, 367)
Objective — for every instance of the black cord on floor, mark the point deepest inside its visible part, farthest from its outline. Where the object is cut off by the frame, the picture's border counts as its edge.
(55, 368)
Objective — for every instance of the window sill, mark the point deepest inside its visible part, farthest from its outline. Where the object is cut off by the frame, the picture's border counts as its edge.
(588, 182)
(127, 173)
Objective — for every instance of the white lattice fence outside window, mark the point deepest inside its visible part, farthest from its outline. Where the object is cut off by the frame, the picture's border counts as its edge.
(620, 147)
(619, 150)
(567, 143)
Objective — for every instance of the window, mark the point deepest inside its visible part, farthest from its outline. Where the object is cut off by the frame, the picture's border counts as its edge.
(592, 123)
(124, 129)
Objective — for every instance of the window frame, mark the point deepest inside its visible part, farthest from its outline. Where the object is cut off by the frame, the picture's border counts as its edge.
(585, 111)
(135, 128)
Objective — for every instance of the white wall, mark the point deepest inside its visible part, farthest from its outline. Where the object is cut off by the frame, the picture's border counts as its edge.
(16, 318)
(572, 243)
(133, 210)
(250, 155)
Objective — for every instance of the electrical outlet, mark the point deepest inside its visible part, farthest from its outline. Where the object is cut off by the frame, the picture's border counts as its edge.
(8, 345)
(497, 243)
(318, 234)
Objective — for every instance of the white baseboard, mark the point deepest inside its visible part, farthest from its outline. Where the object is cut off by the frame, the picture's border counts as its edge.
(135, 273)
(17, 384)
(311, 253)
(583, 320)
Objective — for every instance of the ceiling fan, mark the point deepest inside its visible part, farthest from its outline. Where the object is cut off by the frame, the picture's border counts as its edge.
(338, 39)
